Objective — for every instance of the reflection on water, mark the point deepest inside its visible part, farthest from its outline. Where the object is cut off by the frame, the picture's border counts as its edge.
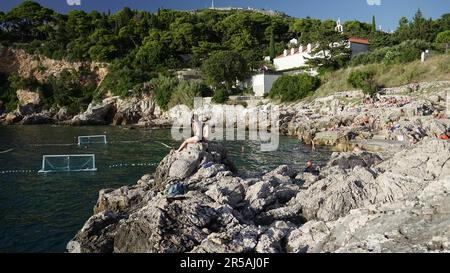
(41, 213)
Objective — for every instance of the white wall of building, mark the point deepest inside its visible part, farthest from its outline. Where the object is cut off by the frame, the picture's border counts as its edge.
(262, 83)
(289, 62)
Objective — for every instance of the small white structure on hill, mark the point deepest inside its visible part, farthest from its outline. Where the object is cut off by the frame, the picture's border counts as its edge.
(339, 27)
(263, 82)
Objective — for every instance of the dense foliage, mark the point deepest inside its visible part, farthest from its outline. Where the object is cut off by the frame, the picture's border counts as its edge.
(363, 80)
(407, 51)
(163, 89)
(186, 91)
(66, 90)
(443, 39)
(122, 79)
(225, 68)
(220, 96)
(227, 45)
(8, 96)
(291, 88)
(152, 40)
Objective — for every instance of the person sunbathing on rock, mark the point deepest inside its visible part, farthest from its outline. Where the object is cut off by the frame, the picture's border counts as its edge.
(201, 133)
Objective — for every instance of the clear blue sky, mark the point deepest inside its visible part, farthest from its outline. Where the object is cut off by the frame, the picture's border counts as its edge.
(387, 14)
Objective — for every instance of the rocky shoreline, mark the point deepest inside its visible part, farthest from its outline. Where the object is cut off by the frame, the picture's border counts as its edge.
(140, 111)
(378, 200)
(388, 184)
(344, 120)
(358, 203)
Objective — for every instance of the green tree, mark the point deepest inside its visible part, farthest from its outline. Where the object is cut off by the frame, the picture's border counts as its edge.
(223, 68)
(291, 88)
(374, 24)
(122, 79)
(364, 80)
(356, 28)
(152, 55)
(331, 46)
(272, 45)
(403, 31)
(443, 38)
(220, 96)
(185, 92)
(163, 89)
(443, 23)
(304, 29)
(27, 21)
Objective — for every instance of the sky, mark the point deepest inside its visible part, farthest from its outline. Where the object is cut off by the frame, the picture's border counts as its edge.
(387, 12)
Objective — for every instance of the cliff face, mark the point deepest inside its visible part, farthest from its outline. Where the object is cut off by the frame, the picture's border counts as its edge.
(140, 109)
(17, 61)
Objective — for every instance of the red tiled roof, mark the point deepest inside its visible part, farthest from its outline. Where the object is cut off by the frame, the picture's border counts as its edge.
(359, 40)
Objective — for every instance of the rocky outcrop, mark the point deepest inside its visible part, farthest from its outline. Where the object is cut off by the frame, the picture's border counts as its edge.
(17, 61)
(350, 160)
(96, 114)
(398, 178)
(420, 224)
(179, 166)
(140, 110)
(218, 207)
(44, 117)
(29, 102)
(358, 203)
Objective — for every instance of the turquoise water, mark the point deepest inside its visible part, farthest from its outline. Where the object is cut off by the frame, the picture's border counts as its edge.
(42, 212)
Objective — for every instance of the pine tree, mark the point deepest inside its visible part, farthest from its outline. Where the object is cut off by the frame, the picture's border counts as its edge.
(272, 45)
(374, 24)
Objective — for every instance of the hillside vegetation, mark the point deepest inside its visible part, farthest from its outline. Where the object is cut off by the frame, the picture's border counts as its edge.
(142, 47)
(436, 68)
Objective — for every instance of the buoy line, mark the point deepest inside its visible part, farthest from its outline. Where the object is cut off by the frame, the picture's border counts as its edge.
(16, 171)
(6, 151)
(125, 165)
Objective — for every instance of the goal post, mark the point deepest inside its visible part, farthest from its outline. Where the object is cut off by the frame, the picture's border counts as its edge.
(94, 139)
(68, 163)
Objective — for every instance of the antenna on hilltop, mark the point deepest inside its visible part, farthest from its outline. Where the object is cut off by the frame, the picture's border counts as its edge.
(212, 4)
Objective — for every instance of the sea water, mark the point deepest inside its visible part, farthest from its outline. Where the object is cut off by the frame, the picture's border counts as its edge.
(42, 212)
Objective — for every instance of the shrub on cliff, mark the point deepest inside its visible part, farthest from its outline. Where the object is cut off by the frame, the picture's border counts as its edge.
(121, 79)
(220, 96)
(7, 94)
(363, 80)
(67, 90)
(291, 88)
(405, 52)
(443, 40)
(185, 92)
(163, 89)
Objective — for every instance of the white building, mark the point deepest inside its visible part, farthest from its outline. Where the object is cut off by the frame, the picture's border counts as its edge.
(263, 82)
(295, 57)
(294, 60)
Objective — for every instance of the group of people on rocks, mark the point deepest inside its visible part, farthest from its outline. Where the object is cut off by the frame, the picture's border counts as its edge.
(383, 102)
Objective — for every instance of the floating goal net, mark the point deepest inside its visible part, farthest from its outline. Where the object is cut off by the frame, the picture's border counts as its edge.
(68, 163)
(87, 140)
